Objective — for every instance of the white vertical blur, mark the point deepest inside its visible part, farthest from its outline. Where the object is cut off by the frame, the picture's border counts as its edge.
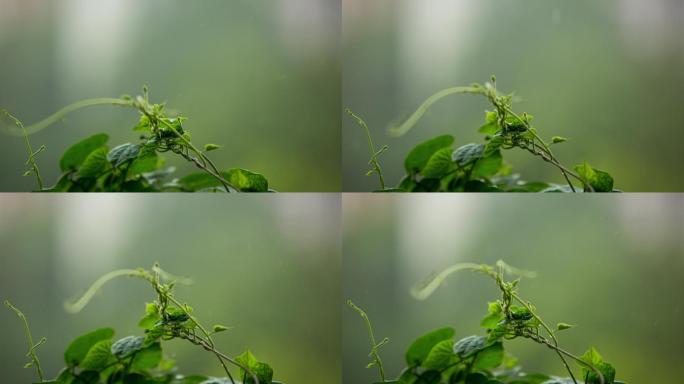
(651, 223)
(309, 221)
(91, 39)
(90, 232)
(432, 34)
(433, 229)
(15, 12)
(307, 26)
(651, 28)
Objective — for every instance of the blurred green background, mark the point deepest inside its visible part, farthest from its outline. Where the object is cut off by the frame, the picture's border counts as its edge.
(613, 265)
(266, 265)
(606, 74)
(260, 77)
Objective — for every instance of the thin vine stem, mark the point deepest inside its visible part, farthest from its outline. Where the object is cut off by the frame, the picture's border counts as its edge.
(213, 171)
(548, 330)
(374, 345)
(375, 153)
(35, 361)
(29, 149)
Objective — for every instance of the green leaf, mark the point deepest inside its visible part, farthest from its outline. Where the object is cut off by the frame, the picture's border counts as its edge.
(247, 181)
(123, 153)
(419, 156)
(418, 351)
(89, 377)
(65, 376)
(490, 357)
(480, 186)
(428, 377)
(175, 315)
(558, 140)
(468, 154)
(439, 164)
(151, 318)
(488, 166)
(470, 345)
(143, 124)
(147, 358)
(78, 349)
(77, 153)
(94, 164)
(599, 180)
(154, 334)
(220, 328)
(493, 145)
(520, 313)
(211, 147)
(145, 163)
(198, 181)
(407, 183)
(440, 356)
(98, 356)
(494, 315)
(491, 126)
(476, 378)
(563, 326)
(593, 358)
(125, 347)
(247, 359)
(263, 372)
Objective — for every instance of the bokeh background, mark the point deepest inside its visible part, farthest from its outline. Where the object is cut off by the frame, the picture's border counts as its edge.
(267, 265)
(606, 74)
(612, 265)
(260, 77)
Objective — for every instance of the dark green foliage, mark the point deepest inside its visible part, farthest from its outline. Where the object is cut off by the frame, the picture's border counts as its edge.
(92, 166)
(98, 358)
(419, 350)
(438, 358)
(78, 349)
(436, 166)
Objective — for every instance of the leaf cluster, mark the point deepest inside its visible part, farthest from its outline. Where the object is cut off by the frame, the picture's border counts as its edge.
(439, 358)
(437, 165)
(90, 165)
(97, 357)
